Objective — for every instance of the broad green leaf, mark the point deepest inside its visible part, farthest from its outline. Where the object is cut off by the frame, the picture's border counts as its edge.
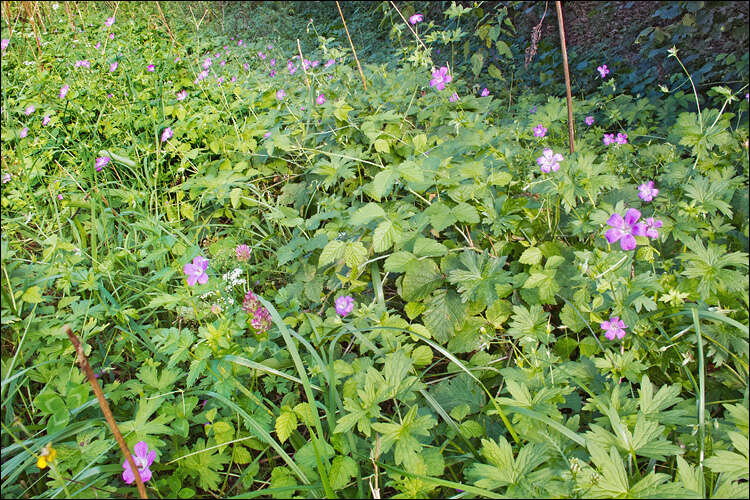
(421, 278)
(366, 214)
(398, 261)
(343, 469)
(332, 252)
(444, 315)
(286, 423)
(427, 247)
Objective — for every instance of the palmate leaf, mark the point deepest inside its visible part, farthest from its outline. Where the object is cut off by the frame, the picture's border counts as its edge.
(204, 465)
(405, 434)
(504, 469)
(711, 265)
(529, 324)
(480, 276)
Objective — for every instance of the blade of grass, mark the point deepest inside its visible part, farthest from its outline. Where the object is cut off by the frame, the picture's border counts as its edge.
(701, 399)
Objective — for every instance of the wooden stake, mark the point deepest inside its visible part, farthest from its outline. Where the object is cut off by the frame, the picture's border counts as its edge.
(86, 367)
(352, 45)
(302, 62)
(567, 75)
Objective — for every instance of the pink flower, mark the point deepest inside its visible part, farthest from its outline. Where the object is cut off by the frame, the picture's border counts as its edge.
(64, 91)
(222, 63)
(150, 67)
(4, 44)
(652, 226)
(250, 303)
(239, 43)
(46, 120)
(102, 161)
(549, 161)
(647, 191)
(166, 135)
(485, 92)
(24, 132)
(176, 59)
(416, 18)
(234, 79)
(111, 36)
(440, 77)
(540, 130)
(589, 120)
(625, 229)
(109, 22)
(29, 109)
(261, 55)
(344, 305)
(59, 197)
(267, 135)
(207, 63)
(261, 320)
(220, 80)
(113, 67)
(98, 45)
(270, 46)
(608, 139)
(196, 272)
(243, 252)
(453, 98)
(272, 73)
(320, 99)
(613, 328)
(84, 63)
(182, 95)
(273, 62)
(603, 71)
(330, 62)
(621, 138)
(143, 459)
(6, 177)
(280, 94)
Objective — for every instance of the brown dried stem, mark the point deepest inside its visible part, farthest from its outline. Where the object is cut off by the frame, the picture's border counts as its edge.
(302, 62)
(359, 67)
(567, 75)
(86, 367)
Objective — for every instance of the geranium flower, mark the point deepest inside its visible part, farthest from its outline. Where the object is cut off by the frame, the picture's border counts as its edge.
(220, 80)
(344, 305)
(234, 79)
(589, 120)
(608, 139)
(621, 138)
(651, 227)
(143, 459)
(603, 71)
(64, 91)
(328, 63)
(625, 229)
(29, 109)
(111, 36)
(6, 177)
(98, 45)
(261, 320)
(101, 162)
(540, 130)
(223, 63)
(416, 18)
(485, 92)
(83, 64)
(647, 191)
(24, 132)
(440, 77)
(113, 67)
(182, 95)
(4, 43)
(261, 55)
(109, 22)
(272, 73)
(150, 67)
(207, 63)
(166, 135)
(273, 62)
(453, 98)
(613, 328)
(246, 66)
(46, 120)
(549, 161)
(280, 94)
(196, 272)
(320, 99)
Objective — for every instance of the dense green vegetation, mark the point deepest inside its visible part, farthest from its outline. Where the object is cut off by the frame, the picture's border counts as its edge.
(295, 279)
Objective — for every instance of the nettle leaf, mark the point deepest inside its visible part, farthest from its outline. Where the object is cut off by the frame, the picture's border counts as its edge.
(529, 324)
(384, 236)
(466, 213)
(421, 278)
(355, 254)
(332, 252)
(405, 435)
(445, 314)
(531, 256)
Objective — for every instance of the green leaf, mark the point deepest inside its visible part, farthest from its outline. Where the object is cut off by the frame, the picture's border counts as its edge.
(355, 254)
(32, 295)
(398, 261)
(477, 61)
(422, 355)
(382, 146)
(384, 236)
(466, 213)
(421, 278)
(444, 315)
(282, 478)
(427, 247)
(405, 434)
(494, 72)
(503, 49)
(332, 252)
(382, 183)
(440, 216)
(531, 256)
(366, 214)
(286, 423)
(343, 469)
(529, 324)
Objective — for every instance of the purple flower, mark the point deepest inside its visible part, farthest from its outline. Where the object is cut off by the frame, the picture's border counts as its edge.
(320, 99)
(176, 59)
(246, 66)
(272, 73)
(625, 229)
(234, 79)
(4, 44)
(24, 132)
(330, 62)
(220, 80)
(267, 135)
(647, 191)
(84, 63)
(532, 110)
(109, 96)
(46, 120)
(223, 63)
(344, 305)
(416, 18)
(291, 67)
(242, 252)
(540, 130)
(261, 55)
(207, 63)
(111, 36)
(485, 92)
(98, 45)
(549, 161)
(6, 177)
(113, 67)
(270, 46)
(440, 77)
(589, 120)
(652, 226)
(608, 139)
(143, 459)
(613, 328)
(621, 138)
(273, 62)
(250, 303)
(603, 71)
(182, 95)
(59, 197)
(280, 94)
(261, 320)
(196, 272)
(239, 43)
(202, 75)
(29, 109)
(453, 98)
(109, 22)
(315, 63)
(166, 135)
(101, 162)
(150, 67)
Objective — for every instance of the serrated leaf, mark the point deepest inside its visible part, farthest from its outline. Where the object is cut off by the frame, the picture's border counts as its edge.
(286, 423)
(466, 213)
(531, 256)
(421, 278)
(343, 469)
(398, 261)
(333, 251)
(355, 254)
(440, 216)
(384, 236)
(366, 214)
(444, 315)
(382, 146)
(427, 247)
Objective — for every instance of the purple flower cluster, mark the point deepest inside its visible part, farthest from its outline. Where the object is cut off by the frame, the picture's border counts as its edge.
(440, 77)
(611, 139)
(647, 191)
(626, 229)
(101, 162)
(261, 320)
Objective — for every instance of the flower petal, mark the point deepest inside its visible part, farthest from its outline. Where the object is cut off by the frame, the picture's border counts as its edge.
(141, 449)
(151, 457)
(632, 216)
(616, 221)
(613, 235)
(627, 242)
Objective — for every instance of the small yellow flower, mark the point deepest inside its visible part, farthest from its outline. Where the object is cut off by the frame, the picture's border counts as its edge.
(46, 456)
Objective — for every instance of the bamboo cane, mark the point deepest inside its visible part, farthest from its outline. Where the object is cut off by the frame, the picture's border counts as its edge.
(567, 75)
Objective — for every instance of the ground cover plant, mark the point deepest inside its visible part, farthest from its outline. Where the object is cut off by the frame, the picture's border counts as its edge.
(294, 278)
